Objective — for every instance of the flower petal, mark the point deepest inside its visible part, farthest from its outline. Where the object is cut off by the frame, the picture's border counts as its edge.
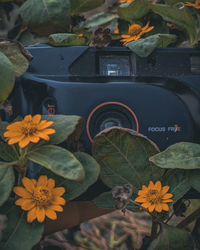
(141, 199)
(20, 201)
(58, 201)
(40, 213)
(20, 191)
(158, 186)
(37, 118)
(146, 205)
(43, 136)
(56, 208)
(158, 207)
(28, 184)
(58, 191)
(167, 196)
(24, 142)
(28, 118)
(28, 204)
(165, 189)
(151, 208)
(50, 214)
(31, 215)
(42, 181)
(44, 124)
(48, 131)
(165, 207)
(167, 200)
(34, 139)
(151, 185)
(51, 183)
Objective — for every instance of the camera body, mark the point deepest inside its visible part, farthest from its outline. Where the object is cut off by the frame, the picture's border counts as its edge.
(158, 96)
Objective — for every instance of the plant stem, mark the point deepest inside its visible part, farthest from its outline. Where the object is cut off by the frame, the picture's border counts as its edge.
(154, 229)
(189, 219)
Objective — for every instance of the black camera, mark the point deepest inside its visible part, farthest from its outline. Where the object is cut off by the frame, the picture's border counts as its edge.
(158, 96)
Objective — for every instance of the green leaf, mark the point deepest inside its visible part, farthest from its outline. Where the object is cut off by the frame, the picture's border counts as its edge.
(7, 77)
(172, 238)
(123, 156)
(28, 38)
(19, 234)
(7, 153)
(79, 6)
(7, 180)
(66, 126)
(178, 182)
(47, 16)
(194, 179)
(106, 200)
(58, 160)
(136, 10)
(98, 20)
(74, 188)
(66, 39)
(180, 17)
(183, 155)
(13, 51)
(145, 46)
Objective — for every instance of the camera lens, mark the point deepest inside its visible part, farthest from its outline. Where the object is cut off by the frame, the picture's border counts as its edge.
(110, 114)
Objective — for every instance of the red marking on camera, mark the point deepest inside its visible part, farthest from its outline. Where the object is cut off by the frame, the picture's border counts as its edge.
(51, 109)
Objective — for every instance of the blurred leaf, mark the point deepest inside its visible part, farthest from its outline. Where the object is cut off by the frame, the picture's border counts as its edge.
(174, 2)
(74, 188)
(66, 126)
(13, 51)
(180, 17)
(7, 153)
(136, 10)
(194, 179)
(172, 238)
(47, 16)
(79, 6)
(19, 234)
(7, 180)
(145, 46)
(7, 77)
(28, 38)
(123, 156)
(98, 20)
(106, 200)
(178, 182)
(58, 160)
(183, 155)
(66, 39)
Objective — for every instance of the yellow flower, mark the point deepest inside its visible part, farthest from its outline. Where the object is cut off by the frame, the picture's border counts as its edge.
(125, 1)
(196, 5)
(135, 32)
(154, 197)
(31, 129)
(40, 198)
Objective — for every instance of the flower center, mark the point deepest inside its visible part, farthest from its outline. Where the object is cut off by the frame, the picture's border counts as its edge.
(135, 29)
(42, 195)
(153, 196)
(29, 129)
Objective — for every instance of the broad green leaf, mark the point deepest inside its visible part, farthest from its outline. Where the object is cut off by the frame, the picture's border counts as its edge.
(183, 155)
(177, 180)
(79, 6)
(181, 17)
(66, 126)
(13, 51)
(106, 200)
(19, 234)
(136, 10)
(175, 2)
(46, 16)
(7, 153)
(66, 39)
(172, 238)
(145, 46)
(194, 179)
(73, 188)
(98, 20)
(123, 156)
(28, 38)
(7, 77)
(7, 180)
(58, 160)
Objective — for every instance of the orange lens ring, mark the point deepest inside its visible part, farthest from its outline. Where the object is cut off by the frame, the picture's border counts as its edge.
(107, 103)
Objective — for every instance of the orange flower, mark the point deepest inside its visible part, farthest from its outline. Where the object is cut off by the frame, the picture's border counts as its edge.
(125, 1)
(196, 5)
(116, 31)
(31, 129)
(154, 197)
(80, 35)
(40, 198)
(135, 32)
